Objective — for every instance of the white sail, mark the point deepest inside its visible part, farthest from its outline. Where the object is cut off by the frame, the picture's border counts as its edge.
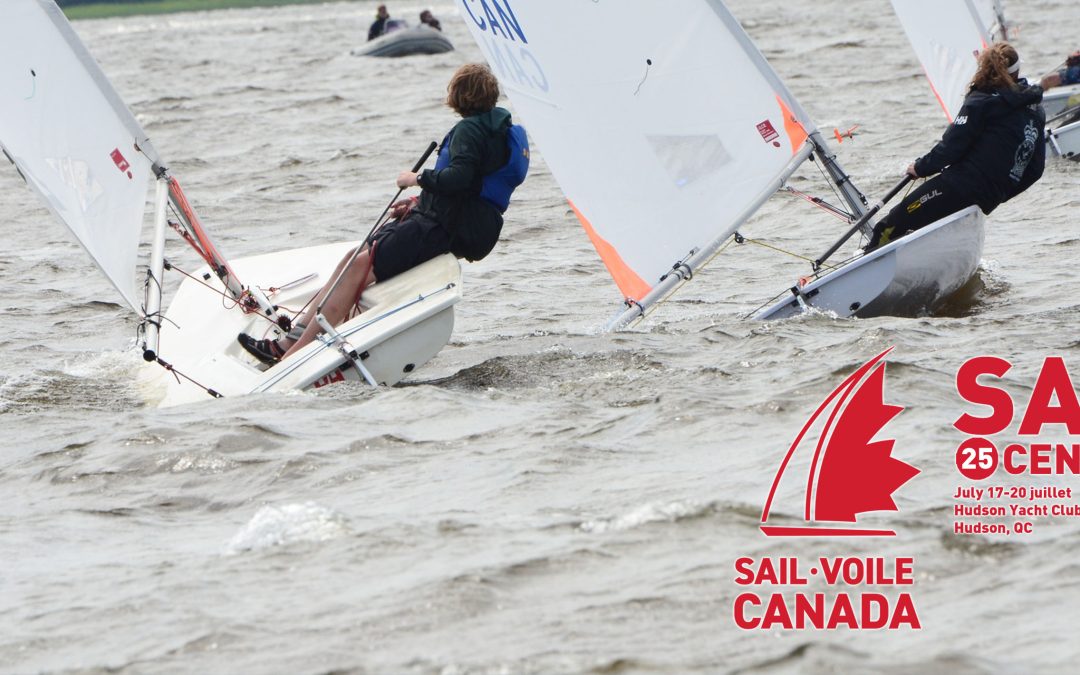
(947, 36)
(663, 140)
(72, 138)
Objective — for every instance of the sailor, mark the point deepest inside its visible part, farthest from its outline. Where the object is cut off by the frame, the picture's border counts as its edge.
(1070, 74)
(379, 25)
(993, 150)
(459, 210)
(426, 17)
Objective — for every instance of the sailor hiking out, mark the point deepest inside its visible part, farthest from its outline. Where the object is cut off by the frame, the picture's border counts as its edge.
(994, 150)
(459, 210)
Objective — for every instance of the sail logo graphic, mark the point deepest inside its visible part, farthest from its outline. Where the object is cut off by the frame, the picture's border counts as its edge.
(121, 162)
(851, 472)
(768, 133)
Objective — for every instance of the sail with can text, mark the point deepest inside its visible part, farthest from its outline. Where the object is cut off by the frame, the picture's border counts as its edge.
(663, 142)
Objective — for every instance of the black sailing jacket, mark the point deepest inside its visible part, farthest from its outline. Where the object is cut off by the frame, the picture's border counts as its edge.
(995, 148)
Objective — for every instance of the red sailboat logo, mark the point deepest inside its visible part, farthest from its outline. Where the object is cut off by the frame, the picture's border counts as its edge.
(851, 472)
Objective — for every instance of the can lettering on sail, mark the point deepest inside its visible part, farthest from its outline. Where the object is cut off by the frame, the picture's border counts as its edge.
(504, 43)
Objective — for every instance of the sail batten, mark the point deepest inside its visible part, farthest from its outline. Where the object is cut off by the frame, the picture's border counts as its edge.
(72, 138)
(661, 140)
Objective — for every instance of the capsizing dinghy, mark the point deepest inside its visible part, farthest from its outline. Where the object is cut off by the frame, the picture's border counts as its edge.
(78, 146)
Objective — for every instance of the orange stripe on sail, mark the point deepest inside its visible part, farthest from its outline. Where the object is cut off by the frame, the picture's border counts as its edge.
(793, 127)
(940, 100)
(631, 285)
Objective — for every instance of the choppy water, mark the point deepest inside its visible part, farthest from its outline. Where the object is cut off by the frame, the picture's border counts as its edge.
(541, 497)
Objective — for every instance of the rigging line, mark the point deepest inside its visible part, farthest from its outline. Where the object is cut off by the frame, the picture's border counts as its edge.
(911, 186)
(225, 296)
(198, 246)
(780, 250)
(832, 186)
(645, 311)
(807, 279)
(821, 204)
(177, 374)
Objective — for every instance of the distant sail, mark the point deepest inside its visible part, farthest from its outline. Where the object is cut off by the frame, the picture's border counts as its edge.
(662, 134)
(72, 138)
(947, 36)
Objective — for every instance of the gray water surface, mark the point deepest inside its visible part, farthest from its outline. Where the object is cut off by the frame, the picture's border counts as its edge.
(541, 497)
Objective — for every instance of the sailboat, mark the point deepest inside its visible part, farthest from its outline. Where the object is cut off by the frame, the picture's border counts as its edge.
(78, 146)
(666, 142)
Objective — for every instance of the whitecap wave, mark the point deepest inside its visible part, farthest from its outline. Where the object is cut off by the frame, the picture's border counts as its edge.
(287, 524)
(649, 513)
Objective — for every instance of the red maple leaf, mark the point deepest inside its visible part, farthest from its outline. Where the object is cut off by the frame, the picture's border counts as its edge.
(857, 473)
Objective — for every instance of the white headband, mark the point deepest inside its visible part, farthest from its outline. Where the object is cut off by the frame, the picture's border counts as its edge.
(1015, 68)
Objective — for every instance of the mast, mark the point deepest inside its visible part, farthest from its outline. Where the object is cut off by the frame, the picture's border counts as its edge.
(155, 273)
(251, 299)
(855, 199)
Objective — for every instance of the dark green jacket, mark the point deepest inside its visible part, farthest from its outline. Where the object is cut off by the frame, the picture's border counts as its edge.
(451, 195)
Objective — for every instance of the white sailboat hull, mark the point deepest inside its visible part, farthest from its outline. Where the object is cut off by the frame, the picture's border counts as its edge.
(406, 321)
(908, 277)
(1065, 142)
(1058, 99)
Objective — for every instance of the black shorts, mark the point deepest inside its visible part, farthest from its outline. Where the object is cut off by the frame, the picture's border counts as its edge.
(403, 244)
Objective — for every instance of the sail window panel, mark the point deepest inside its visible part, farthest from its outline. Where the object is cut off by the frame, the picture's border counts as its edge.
(689, 158)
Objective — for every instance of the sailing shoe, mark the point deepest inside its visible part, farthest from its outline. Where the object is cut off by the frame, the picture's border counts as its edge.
(267, 351)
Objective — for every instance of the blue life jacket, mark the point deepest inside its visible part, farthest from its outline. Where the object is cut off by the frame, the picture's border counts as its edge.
(498, 185)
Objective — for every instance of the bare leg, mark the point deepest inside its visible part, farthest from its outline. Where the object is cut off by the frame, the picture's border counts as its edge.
(335, 308)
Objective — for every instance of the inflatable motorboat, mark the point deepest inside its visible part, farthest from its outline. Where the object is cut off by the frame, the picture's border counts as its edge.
(401, 40)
